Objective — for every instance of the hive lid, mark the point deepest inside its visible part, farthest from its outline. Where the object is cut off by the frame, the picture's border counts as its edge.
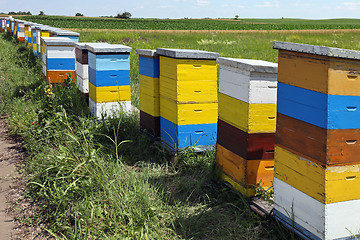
(50, 41)
(146, 52)
(81, 45)
(43, 27)
(250, 65)
(186, 53)
(66, 33)
(319, 50)
(107, 48)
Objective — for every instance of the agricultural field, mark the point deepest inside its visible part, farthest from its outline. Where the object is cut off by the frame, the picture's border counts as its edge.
(102, 179)
(251, 45)
(193, 24)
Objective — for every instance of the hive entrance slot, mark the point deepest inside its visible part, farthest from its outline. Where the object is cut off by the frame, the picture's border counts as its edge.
(352, 77)
(350, 178)
(270, 151)
(268, 168)
(350, 141)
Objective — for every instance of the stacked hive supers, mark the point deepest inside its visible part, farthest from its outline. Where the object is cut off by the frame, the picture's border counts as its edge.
(20, 31)
(149, 89)
(247, 122)
(82, 68)
(317, 160)
(188, 98)
(109, 78)
(58, 59)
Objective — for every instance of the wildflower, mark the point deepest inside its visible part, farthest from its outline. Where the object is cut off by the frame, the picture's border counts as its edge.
(32, 123)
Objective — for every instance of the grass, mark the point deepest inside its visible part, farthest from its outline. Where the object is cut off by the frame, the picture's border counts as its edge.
(103, 180)
(193, 24)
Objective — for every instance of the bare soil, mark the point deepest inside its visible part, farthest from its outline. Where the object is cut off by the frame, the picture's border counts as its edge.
(15, 209)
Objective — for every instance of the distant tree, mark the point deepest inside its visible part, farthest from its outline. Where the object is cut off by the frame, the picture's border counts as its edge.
(19, 13)
(79, 15)
(41, 13)
(236, 17)
(124, 15)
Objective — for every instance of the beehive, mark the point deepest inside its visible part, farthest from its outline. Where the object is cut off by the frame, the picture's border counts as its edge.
(3, 24)
(82, 67)
(41, 31)
(188, 98)
(246, 123)
(21, 31)
(8, 25)
(58, 59)
(149, 88)
(317, 165)
(109, 79)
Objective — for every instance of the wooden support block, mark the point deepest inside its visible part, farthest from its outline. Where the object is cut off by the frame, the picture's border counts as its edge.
(188, 114)
(251, 118)
(332, 147)
(325, 184)
(249, 146)
(150, 124)
(313, 219)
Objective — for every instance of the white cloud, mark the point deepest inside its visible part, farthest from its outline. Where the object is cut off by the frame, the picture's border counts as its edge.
(301, 4)
(351, 6)
(233, 6)
(273, 4)
(162, 7)
(202, 2)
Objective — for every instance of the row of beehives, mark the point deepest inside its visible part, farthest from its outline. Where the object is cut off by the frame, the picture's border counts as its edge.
(317, 160)
(314, 105)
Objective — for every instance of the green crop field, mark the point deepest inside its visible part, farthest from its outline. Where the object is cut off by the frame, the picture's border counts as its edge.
(194, 24)
(251, 45)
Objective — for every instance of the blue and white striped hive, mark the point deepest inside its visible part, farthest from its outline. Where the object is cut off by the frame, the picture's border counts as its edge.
(58, 58)
(109, 78)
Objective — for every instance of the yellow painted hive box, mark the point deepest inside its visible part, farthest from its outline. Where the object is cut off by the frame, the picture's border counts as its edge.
(188, 69)
(250, 118)
(325, 184)
(150, 104)
(149, 86)
(109, 94)
(186, 114)
(204, 91)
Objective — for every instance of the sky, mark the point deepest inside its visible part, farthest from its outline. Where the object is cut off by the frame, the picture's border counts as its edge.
(319, 9)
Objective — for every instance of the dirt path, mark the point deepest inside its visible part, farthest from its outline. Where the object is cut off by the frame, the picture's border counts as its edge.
(8, 175)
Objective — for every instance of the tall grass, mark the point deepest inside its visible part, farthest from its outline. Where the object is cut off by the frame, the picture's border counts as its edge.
(103, 180)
